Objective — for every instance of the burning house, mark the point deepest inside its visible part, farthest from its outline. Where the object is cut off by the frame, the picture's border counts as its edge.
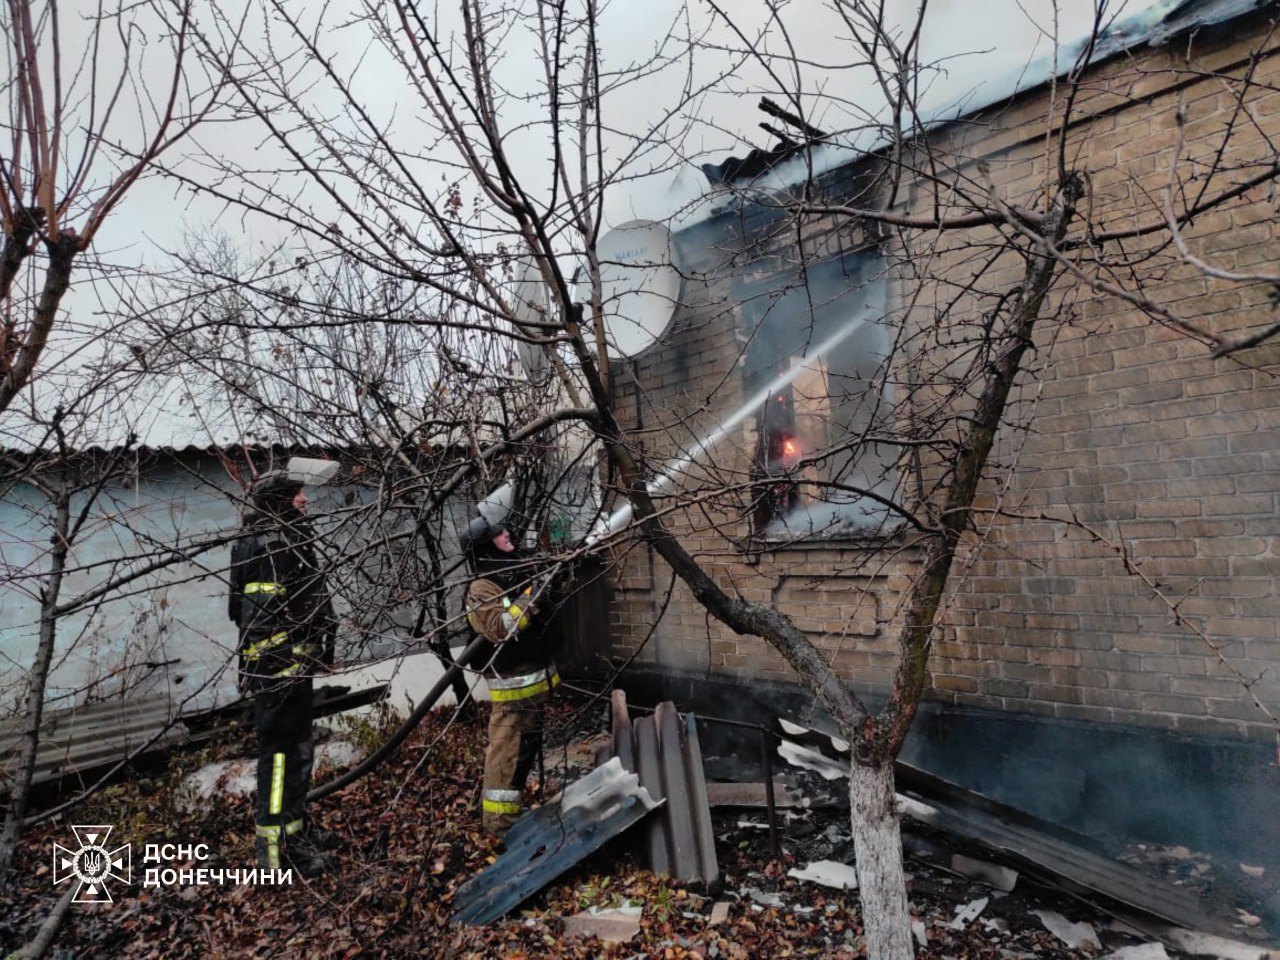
(1106, 653)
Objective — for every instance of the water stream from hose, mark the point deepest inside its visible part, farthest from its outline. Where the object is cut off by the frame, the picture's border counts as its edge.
(622, 516)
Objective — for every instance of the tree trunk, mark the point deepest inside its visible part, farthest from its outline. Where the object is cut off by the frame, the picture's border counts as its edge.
(43, 940)
(20, 359)
(20, 784)
(877, 844)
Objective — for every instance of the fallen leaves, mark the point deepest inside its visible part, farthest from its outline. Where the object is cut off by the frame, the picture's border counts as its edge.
(411, 837)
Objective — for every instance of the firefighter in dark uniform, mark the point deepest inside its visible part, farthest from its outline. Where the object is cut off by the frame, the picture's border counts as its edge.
(509, 603)
(281, 604)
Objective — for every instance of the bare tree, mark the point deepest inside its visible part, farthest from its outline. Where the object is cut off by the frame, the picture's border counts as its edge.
(59, 487)
(980, 271)
(79, 141)
(422, 408)
(83, 562)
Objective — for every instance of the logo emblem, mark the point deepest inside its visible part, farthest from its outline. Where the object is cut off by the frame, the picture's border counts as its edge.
(92, 865)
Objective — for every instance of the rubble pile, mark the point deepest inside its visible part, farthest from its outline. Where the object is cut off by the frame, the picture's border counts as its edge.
(411, 839)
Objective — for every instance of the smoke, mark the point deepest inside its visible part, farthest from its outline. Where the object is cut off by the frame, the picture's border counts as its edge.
(813, 436)
(961, 66)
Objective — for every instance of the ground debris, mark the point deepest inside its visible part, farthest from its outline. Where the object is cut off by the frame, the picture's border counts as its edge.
(828, 873)
(411, 837)
(969, 912)
(611, 926)
(1074, 935)
(1139, 951)
(992, 874)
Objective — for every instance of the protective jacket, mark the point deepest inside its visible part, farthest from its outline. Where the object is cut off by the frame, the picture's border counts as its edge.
(279, 600)
(510, 604)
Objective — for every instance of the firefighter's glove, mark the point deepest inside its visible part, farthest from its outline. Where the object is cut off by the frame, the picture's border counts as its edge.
(515, 616)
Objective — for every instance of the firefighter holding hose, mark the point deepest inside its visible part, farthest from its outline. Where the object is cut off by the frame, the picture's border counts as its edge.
(508, 603)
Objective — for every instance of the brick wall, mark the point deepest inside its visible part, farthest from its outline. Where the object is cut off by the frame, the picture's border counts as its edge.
(1130, 429)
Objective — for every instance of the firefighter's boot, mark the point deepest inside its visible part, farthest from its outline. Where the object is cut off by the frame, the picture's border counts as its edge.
(302, 853)
(326, 841)
(295, 852)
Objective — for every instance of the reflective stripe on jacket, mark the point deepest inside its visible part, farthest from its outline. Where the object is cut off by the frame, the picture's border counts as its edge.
(493, 614)
(522, 687)
(279, 600)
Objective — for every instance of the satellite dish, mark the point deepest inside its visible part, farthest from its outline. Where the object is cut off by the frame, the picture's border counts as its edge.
(640, 285)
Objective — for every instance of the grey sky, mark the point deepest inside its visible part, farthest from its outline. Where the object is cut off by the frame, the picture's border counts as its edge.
(970, 51)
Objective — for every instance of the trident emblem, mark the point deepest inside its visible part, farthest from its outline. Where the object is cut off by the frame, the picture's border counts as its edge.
(92, 865)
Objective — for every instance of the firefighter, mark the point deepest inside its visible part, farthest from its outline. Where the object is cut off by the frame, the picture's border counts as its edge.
(507, 604)
(281, 604)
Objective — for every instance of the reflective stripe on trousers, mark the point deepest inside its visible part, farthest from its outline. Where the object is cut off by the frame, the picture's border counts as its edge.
(277, 784)
(500, 801)
(282, 718)
(515, 740)
(272, 834)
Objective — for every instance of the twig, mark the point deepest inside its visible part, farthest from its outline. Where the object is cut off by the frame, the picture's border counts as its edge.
(43, 939)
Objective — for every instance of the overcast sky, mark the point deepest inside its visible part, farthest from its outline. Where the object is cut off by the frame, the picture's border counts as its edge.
(969, 49)
(970, 52)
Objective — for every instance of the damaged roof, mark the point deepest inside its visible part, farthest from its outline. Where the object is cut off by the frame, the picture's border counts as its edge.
(1154, 26)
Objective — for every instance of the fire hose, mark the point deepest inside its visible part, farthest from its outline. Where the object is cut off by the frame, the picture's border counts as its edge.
(374, 760)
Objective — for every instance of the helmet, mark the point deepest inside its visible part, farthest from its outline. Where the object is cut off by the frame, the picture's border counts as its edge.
(273, 490)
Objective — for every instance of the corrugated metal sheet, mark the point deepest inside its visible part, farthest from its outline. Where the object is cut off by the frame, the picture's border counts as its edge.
(85, 740)
(664, 750)
(76, 741)
(550, 839)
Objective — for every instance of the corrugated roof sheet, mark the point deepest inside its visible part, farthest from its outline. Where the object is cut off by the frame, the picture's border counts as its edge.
(1154, 26)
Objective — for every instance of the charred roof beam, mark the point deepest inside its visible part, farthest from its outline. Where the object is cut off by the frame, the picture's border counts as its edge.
(811, 133)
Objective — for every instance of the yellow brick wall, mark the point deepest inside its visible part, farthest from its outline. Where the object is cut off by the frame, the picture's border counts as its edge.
(1127, 425)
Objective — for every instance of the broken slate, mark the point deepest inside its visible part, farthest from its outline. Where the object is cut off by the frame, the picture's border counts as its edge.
(828, 873)
(992, 874)
(796, 730)
(969, 913)
(762, 898)
(1074, 935)
(1139, 951)
(807, 759)
(920, 933)
(547, 841)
